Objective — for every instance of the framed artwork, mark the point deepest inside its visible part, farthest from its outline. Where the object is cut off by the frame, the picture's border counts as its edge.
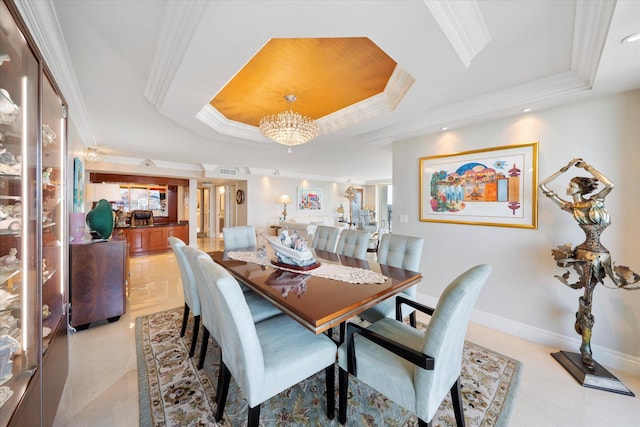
(78, 184)
(310, 199)
(494, 186)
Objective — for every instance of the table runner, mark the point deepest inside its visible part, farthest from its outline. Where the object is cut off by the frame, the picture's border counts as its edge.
(343, 273)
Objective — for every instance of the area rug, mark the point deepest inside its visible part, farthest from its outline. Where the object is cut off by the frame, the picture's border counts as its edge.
(173, 392)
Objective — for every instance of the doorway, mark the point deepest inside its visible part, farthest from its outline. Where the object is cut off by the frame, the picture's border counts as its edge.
(385, 207)
(203, 211)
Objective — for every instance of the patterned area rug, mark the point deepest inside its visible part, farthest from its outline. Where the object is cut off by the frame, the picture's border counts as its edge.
(174, 393)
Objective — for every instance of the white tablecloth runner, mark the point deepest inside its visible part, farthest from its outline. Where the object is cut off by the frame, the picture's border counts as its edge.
(327, 270)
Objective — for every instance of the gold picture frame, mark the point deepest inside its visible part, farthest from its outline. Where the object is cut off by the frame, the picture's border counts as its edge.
(494, 186)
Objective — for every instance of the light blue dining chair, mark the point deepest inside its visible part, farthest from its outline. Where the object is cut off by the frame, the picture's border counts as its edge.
(264, 358)
(239, 237)
(191, 299)
(354, 243)
(259, 307)
(325, 238)
(414, 369)
(398, 251)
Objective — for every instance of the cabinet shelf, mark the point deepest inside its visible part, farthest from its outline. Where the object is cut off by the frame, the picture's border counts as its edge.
(7, 273)
(33, 209)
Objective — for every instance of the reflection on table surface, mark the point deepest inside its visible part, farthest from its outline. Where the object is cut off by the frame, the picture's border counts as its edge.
(318, 303)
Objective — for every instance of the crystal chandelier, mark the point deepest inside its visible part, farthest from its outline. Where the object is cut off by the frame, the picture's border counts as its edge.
(93, 155)
(289, 128)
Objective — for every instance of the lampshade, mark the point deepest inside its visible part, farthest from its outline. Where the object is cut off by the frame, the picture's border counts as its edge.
(350, 193)
(340, 209)
(109, 192)
(289, 128)
(284, 199)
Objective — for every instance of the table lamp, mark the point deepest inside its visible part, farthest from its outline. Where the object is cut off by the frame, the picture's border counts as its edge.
(284, 200)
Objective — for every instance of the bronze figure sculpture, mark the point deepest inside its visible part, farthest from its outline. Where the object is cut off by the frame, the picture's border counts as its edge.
(590, 260)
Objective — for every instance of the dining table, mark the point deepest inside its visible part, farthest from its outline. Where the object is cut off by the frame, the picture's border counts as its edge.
(318, 303)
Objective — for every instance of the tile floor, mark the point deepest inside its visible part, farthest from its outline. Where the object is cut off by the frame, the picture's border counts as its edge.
(102, 387)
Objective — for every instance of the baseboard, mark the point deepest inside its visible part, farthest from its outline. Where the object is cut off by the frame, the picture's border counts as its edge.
(605, 356)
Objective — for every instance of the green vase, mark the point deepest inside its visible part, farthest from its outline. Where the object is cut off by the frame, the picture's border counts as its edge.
(101, 219)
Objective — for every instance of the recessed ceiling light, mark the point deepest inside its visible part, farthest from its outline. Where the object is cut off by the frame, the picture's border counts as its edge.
(631, 38)
(526, 110)
(444, 128)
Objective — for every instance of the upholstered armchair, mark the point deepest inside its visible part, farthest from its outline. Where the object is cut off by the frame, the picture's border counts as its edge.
(259, 308)
(403, 252)
(325, 238)
(365, 223)
(353, 243)
(191, 299)
(414, 369)
(263, 358)
(239, 237)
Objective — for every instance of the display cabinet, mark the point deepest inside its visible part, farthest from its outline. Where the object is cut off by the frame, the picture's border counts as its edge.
(33, 307)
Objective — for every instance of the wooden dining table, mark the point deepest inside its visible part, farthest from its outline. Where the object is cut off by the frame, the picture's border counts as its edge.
(318, 303)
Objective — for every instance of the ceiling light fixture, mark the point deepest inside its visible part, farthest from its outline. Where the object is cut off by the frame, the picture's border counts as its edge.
(289, 128)
(93, 155)
(631, 38)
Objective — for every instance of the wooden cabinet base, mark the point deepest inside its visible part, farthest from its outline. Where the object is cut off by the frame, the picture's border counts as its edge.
(154, 238)
(55, 367)
(98, 282)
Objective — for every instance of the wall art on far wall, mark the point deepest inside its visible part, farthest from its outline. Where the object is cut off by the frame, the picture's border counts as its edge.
(494, 186)
(310, 199)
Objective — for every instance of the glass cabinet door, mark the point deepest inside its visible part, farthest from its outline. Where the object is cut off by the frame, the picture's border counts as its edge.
(53, 223)
(20, 302)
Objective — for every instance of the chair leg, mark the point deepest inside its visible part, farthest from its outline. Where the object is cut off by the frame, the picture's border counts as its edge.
(422, 423)
(203, 347)
(456, 399)
(330, 374)
(194, 339)
(343, 388)
(412, 319)
(223, 389)
(185, 317)
(253, 419)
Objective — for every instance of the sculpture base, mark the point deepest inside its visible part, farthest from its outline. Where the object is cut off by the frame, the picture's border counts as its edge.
(598, 377)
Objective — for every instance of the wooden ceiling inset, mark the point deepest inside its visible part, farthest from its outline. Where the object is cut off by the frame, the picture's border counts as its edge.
(325, 74)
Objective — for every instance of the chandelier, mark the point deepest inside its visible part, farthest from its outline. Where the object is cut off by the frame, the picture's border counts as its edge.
(93, 155)
(289, 128)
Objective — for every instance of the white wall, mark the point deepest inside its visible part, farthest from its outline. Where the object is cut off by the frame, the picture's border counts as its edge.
(263, 192)
(522, 296)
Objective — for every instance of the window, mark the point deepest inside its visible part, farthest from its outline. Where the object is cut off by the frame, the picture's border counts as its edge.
(144, 197)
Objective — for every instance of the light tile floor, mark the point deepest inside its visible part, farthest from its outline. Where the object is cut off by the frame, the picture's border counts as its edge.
(102, 386)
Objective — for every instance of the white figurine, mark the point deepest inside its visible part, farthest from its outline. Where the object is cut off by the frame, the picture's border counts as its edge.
(11, 259)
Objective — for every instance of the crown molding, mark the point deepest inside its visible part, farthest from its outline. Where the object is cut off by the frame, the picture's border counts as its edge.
(179, 24)
(462, 23)
(593, 19)
(397, 86)
(475, 109)
(42, 22)
(215, 120)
